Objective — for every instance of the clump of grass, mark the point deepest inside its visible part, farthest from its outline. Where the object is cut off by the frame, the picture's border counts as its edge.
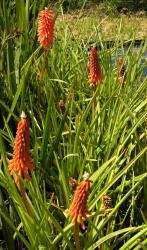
(102, 133)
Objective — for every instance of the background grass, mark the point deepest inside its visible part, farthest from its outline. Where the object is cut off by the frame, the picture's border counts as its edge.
(96, 18)
(102, 133)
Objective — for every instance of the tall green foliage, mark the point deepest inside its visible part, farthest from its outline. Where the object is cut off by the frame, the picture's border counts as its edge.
(102, 133)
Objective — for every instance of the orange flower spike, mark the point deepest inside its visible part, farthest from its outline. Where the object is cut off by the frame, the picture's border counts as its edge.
(121, 67)
(95, 75)
(21, 162)
(78, 209)
(122, 72)
(45, 28)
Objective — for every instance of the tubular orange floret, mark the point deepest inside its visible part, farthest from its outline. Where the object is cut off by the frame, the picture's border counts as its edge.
(78, 209)
(21, 162)
(45, 28)
(95, 74)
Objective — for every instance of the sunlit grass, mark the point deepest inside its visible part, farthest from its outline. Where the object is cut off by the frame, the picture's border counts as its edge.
(96, 18)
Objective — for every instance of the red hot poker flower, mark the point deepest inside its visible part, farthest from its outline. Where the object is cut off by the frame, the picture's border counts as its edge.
(78, 209)
(121, 67)
(45, 28)
(122, 72)
(21, 162)
(95, 75)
